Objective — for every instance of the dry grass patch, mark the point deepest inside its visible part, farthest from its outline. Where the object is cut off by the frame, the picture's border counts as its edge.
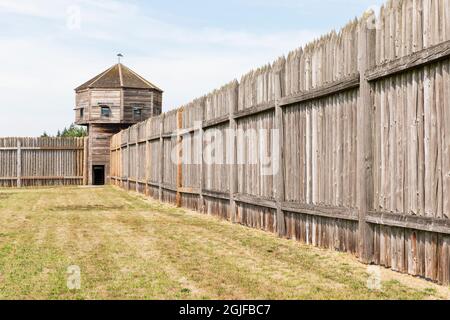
(129, 247)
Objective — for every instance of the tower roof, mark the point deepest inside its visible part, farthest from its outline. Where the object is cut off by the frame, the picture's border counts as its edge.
(118, 76)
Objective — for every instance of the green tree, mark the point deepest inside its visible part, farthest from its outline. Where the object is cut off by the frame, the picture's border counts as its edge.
(73, 131)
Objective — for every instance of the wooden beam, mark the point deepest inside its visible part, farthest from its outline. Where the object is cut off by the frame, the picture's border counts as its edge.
(255, 201)
(215, 122)
(348, 83)
(185, 132)
(153, 184)
(264, 107)
(42, 148)
(167, 135)
(217, 195)
(188, 190)
(8, 178)
(403, 220)
(22, 178)
(412, 61)
(166, 186)
(154, 138)
(137, 181)
(321, 211)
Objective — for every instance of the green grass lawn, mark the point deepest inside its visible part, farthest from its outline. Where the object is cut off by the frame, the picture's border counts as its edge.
(128, 247)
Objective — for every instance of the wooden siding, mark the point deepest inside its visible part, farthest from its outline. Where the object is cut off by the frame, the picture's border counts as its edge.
(99, 146)
(110, 98)
(121, 102)
(137, 98)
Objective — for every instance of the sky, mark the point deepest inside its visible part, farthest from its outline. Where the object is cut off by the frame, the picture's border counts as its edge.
(187, 48)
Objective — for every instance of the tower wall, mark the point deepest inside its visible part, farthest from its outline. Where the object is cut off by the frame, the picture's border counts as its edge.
(110, 102)
(99, 147)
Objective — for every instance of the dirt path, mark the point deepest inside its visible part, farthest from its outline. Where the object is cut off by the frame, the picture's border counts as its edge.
(128, 247)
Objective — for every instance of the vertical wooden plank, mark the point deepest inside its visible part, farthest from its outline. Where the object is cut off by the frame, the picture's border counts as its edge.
(446, 136)
(366, 42)
(128, 159)
(179, 156)
(200, 136)
(279, 175)
(85, 161)
(440, 138)
(444, 259)
(137, 154)
(233, 165)
(410, 251)
(147, 157)
(431, 252)
(161, 157)
(19, 163)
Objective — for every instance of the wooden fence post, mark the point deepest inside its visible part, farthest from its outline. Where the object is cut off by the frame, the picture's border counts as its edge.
(129, 159)
(366, 50)
(233, 150)
(161, 157)
(85, 161)
(201, 135)
(279, 158)
(147, 158)
(138, 160)
(120, 171)
(179, 156)
(19, 163)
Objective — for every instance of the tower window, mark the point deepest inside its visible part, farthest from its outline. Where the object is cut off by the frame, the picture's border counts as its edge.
(137, 113)
(105, 111)
(82, 113)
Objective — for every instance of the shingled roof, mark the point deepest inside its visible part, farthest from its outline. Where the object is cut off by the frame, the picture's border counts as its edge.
(118, 76)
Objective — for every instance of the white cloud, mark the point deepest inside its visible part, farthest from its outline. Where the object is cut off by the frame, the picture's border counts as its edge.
(40, 72)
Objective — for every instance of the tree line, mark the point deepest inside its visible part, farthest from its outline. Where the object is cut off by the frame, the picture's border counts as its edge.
(73, 131)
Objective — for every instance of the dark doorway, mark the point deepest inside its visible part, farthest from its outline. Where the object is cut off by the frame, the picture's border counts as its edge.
(98, 175)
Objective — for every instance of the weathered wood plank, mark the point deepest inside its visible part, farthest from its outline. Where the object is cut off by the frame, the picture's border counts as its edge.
(260, 108)
(216, 194)
(415, 60)
(345, 84)
(215, 122)
(411, 222)
(322, 211)
(256, 201)
(366, 59)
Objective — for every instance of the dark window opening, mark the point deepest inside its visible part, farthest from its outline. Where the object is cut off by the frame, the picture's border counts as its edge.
(81, 113)
(105, 111)
(156, 111)
(98, 175)
(137, 113)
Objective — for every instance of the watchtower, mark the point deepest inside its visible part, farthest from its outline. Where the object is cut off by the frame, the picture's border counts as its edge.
(110, 102)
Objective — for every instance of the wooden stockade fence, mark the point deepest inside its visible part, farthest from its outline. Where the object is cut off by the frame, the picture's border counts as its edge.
(32, 162)
(364, 116)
